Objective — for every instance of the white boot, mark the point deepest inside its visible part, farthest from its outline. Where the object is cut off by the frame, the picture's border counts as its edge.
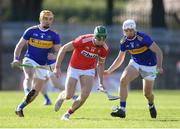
(65, 116)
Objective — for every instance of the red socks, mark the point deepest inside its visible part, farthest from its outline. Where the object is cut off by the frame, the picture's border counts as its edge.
(70, 111)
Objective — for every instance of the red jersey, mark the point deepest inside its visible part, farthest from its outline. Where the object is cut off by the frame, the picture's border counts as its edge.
(85, 52)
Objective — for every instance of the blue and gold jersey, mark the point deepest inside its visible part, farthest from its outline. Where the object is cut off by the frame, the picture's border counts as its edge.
(40, 43)
(139, 49)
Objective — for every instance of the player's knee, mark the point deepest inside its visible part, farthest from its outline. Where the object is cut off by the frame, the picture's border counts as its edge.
(123, 82)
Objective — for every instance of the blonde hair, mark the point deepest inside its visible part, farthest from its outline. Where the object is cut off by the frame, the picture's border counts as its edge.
(44, 13)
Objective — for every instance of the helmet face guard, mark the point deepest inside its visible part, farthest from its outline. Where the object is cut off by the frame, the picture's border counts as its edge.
(100, 37)
(100, 33)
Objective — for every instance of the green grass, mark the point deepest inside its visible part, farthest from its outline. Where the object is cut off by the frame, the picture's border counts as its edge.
(94, 113)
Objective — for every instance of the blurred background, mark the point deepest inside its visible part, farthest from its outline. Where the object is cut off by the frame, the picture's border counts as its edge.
(158, 18)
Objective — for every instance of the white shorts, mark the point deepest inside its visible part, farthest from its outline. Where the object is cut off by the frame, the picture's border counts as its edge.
(38, 73)
(76, 73)
(146, 72)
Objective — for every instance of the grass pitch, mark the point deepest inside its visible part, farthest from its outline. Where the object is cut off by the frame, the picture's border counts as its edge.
(95, 113)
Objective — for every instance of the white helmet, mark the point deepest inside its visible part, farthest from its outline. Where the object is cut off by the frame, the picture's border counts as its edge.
(129, 24)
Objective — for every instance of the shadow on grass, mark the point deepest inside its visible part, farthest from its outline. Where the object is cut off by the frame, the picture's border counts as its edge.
(127, 119)
(94, 119)
(164, 120)
(155, 120)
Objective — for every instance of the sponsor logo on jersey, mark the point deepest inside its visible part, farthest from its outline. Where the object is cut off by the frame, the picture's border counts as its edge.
(88, 54)
(40, 43)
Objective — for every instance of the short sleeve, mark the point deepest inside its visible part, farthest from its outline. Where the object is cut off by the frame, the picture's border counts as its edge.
(77, 42)
(57, 39)
(147, 40)
(27, 34)
(122, 48)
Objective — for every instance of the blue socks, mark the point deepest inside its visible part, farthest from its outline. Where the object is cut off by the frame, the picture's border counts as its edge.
(123, 105)
(75, 97)
(47, 100)
(46, 97)
(21, 106)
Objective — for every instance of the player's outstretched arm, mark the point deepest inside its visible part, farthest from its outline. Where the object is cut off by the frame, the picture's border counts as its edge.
(117, 63)
(62, 51)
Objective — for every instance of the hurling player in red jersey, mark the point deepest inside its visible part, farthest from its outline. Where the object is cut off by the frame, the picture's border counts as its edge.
(87, 50)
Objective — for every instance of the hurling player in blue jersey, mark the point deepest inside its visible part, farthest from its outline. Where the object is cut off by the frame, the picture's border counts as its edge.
(146, 61)
(40, 40)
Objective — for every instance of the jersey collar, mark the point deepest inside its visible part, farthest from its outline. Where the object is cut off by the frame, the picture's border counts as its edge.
(42, 29)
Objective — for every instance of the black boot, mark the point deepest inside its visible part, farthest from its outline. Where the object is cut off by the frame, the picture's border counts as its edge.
(119, 113)
(19, 113)
(153, 111)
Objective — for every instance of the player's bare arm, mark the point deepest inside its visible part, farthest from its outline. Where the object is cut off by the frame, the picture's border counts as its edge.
(159, 55)
(62, 51)
(117, 63)
(17, 52)
(19, 47)
(67, 47)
